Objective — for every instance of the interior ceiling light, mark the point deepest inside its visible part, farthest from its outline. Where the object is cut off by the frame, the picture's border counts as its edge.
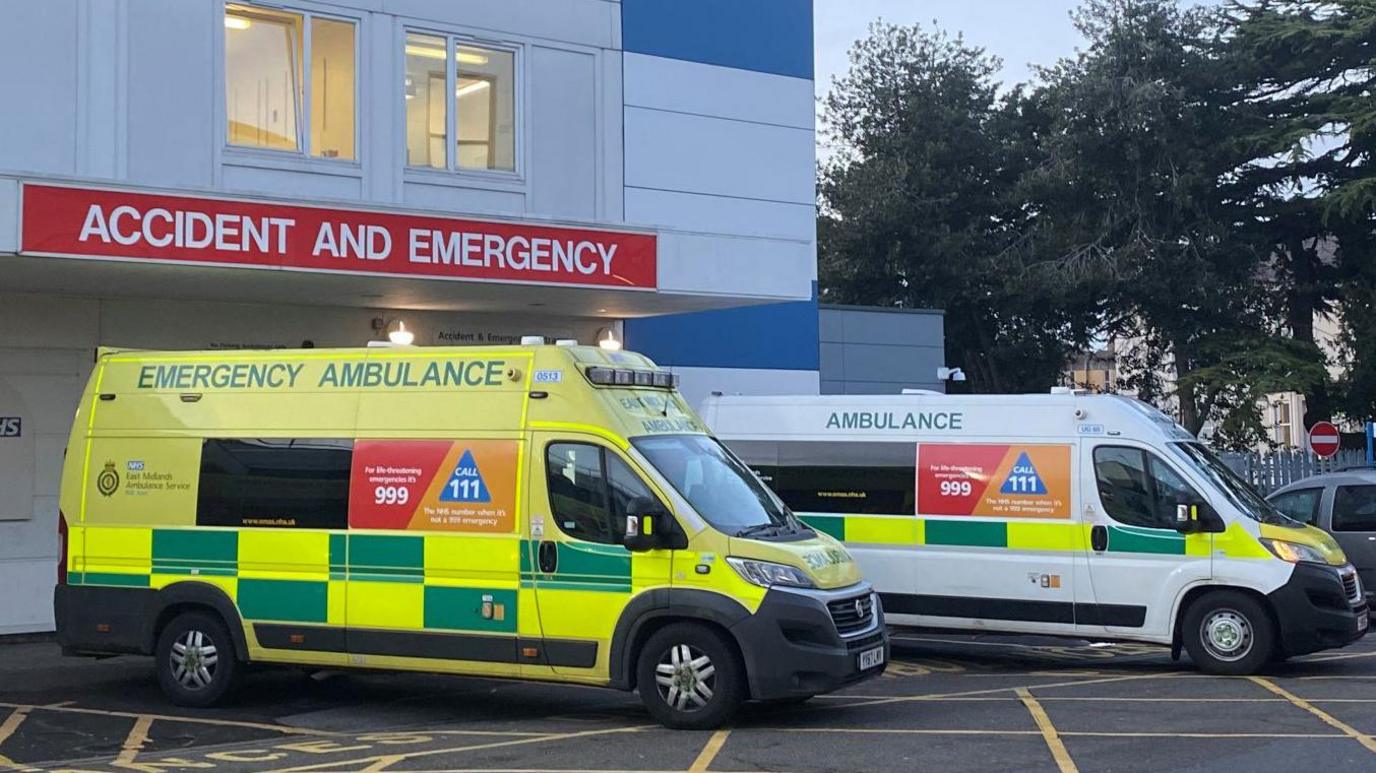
(471, 88)
(429, 52)
(465, 56)
(236, 22)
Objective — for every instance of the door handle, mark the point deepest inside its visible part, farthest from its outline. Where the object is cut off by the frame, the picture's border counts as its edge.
(547, 556)
(1098, 538)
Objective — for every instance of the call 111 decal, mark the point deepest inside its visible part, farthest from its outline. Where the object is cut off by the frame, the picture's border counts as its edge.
(434, 485)
(996, 481)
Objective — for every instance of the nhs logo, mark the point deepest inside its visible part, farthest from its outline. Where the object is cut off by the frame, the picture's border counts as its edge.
(10, 426)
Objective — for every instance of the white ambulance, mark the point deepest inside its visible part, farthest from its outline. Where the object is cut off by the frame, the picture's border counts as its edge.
(1093, 516)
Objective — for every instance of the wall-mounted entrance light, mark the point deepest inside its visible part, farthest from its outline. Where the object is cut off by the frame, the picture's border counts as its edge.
(608, 340)
(950, 374)
(401, 336)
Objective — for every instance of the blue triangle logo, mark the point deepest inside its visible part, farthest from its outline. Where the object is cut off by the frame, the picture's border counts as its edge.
(1023, 478)
(466, 483)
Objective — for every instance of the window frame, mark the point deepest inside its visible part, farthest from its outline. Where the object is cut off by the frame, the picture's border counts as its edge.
(451, 170)
(1150, 458)
(303, 153)
(339, 522)
(608, 498)
(1333, 515)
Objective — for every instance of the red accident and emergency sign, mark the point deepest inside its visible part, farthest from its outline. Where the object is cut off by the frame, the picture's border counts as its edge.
(110, 224)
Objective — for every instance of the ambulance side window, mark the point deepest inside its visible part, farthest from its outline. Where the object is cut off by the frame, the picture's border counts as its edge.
(275, 483)
(591, 492)
(852, 478)
(1137, 489)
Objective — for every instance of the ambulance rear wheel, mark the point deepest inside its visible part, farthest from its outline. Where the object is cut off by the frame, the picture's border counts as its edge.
(196, 662)
(1229, 633)
(690, 677)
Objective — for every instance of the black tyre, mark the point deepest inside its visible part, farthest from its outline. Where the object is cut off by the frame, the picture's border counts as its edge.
(690, 677)
(1229, 633)
(196, 662)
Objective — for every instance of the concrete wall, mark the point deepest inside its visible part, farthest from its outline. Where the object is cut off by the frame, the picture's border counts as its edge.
(880, 351)
(712, 151)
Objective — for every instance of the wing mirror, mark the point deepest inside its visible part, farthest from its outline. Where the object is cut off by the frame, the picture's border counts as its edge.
(1186, 518)
(641, 534)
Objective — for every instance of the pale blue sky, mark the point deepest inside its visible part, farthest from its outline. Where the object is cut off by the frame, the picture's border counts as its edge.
(1019, 32)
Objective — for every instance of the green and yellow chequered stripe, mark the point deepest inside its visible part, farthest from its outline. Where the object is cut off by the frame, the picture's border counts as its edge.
(1027, 535)
(394, 581)
(580, 566)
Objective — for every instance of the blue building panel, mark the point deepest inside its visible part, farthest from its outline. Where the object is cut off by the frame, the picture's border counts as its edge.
(772, 36)
(776, 336)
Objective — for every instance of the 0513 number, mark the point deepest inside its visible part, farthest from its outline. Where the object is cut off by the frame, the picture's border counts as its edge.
(391, 495)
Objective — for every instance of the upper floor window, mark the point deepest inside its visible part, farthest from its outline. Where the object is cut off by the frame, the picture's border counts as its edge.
(476, 127)
(290, 81)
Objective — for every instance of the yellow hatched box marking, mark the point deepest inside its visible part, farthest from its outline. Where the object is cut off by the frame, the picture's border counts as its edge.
(386, 605)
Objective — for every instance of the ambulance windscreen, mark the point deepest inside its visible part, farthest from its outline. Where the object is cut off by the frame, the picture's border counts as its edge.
(720, 487)
(1238, 491)
(1168, 425)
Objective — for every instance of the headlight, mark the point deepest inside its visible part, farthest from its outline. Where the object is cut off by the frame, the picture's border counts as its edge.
(1294, 552)
(767, 573)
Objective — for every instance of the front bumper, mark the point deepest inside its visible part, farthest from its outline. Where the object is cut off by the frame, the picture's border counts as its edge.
(792, 647)
(1314, 611)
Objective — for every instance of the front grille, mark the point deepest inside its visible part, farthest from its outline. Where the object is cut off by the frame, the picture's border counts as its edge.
(852, 615)
(1351, 588)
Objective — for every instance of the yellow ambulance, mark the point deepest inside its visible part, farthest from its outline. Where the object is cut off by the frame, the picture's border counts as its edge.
(542, 512)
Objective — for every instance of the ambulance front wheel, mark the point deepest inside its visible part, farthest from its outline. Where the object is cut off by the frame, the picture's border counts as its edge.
(1229, 633)
(690, 677)
(197, 665)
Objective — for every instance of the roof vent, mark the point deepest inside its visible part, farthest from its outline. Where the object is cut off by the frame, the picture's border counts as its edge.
(532, 340)
(566, 342)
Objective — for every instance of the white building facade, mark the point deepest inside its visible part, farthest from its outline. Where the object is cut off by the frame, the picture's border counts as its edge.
(197, 174)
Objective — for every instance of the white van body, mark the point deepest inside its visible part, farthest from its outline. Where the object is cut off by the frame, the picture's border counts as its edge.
(1050, 514)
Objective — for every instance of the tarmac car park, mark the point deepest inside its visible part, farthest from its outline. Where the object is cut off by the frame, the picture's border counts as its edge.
(973, 703)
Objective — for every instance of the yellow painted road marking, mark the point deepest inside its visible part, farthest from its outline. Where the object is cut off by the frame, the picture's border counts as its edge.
(7, 728)
(133, 744)
(380, 762)
(173, 718)
(1053, 740)
(709, 752)
(1326, 658)
(1061, 733)
(1328, 719)
(996, 690)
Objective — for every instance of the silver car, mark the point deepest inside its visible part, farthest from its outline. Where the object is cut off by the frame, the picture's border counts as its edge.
(1342, 504)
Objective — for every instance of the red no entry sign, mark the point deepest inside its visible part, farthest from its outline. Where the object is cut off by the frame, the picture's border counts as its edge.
(1324, 439)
